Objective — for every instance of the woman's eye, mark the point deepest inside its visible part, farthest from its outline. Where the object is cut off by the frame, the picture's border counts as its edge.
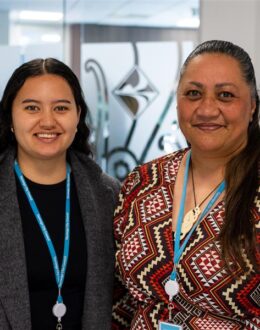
(31, 108)
(61, 108)
(193, 94)
(226, 95)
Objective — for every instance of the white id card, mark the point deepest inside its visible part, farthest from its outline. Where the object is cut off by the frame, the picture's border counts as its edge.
(168, 326)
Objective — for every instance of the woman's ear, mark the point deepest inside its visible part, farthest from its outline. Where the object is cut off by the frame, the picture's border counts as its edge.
(253, 107)
(79, 112)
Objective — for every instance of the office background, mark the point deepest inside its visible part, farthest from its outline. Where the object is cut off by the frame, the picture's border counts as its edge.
(127, 55)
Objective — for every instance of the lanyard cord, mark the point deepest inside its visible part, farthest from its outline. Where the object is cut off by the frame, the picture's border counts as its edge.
(194, 192)
(59, 274)
(178, 249)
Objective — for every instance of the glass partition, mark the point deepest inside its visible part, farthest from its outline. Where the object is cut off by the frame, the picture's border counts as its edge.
(127, 54)
(29, 29)
(129, 66)
(131, 92)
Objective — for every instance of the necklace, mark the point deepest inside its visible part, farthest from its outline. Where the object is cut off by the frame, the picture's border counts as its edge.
(191, 216)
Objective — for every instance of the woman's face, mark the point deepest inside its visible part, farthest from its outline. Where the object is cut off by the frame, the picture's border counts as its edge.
(44, 117)
(214, 105)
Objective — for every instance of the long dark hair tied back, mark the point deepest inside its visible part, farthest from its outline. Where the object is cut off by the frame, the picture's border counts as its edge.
(238, 236)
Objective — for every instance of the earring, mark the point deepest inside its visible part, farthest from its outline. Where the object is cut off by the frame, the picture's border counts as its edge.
(12, 129)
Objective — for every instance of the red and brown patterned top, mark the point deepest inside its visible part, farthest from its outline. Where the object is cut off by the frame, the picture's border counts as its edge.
(210, 297)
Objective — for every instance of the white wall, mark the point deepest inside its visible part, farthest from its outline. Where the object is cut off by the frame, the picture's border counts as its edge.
(4, 27)
(236, 21)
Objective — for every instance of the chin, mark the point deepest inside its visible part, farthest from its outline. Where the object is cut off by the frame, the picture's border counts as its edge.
(49, 155)
(207, 147)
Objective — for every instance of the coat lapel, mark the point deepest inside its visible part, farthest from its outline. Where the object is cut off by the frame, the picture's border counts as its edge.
(96, 203)
(14, 293)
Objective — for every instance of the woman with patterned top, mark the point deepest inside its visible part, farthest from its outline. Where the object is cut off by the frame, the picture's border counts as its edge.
(187, 225)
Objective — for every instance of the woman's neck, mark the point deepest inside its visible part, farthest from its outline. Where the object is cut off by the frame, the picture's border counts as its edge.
(210, 167)
(210, 163)
(43, 171)
(206, 173)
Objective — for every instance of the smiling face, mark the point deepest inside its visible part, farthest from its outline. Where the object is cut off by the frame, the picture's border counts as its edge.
(44, 118)
(214, 105)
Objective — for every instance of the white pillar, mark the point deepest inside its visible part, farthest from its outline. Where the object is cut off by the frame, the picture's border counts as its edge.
(4, 27)
(236, 21)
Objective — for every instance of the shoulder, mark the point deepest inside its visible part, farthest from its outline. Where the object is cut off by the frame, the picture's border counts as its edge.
(164, 161)
(82, 163)
(7, 179)
(152, 180)
(154, 173)
(7, 156)
(111, 182)
(86, 169)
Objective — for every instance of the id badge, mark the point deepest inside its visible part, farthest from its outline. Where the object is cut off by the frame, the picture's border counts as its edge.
(168, 326)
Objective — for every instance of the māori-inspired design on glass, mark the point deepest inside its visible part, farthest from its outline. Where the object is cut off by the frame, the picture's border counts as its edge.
(135, 92)
(121, 161)
(170, 142)
(99, 126)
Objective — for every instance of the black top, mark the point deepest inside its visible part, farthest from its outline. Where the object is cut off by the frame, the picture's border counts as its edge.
(50, 200)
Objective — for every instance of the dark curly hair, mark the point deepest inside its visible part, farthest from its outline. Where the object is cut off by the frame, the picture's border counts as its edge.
(38, 67)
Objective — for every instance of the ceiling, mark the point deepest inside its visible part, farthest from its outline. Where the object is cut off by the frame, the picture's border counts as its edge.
(152, 13)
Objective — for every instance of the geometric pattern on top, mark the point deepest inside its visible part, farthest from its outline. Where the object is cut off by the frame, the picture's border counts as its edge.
(210, 297)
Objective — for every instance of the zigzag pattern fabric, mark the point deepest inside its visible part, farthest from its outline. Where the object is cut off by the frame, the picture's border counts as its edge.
(210, 297)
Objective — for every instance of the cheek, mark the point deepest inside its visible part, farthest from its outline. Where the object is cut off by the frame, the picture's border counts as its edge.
(71, 125)
(179, 110)
(21, 121)
(18, 124)
(185, 108)
(23, 125)
(15, 119)
(183, 113)
(241, 116)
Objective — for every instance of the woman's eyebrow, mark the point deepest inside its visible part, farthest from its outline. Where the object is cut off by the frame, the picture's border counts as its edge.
(225, 84)
(55, 101)
(195, 83)
(30, 101)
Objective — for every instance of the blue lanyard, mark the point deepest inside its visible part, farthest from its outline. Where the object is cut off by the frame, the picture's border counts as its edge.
(178, 249)
(59, 274)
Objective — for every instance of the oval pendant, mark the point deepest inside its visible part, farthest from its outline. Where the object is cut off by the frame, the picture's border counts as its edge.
(171, 288)
(188, 221)
(59, 310)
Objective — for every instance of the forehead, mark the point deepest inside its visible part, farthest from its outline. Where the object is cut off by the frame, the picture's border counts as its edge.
(46, 79)
(45, 85)
(213, 66)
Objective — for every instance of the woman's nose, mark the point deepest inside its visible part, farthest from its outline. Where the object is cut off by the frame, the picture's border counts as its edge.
(208, 107)
(47, 119)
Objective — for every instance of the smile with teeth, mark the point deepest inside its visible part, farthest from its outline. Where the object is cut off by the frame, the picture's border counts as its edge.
(47, 135)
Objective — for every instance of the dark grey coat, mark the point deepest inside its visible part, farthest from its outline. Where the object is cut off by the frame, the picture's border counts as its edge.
(97, 195)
